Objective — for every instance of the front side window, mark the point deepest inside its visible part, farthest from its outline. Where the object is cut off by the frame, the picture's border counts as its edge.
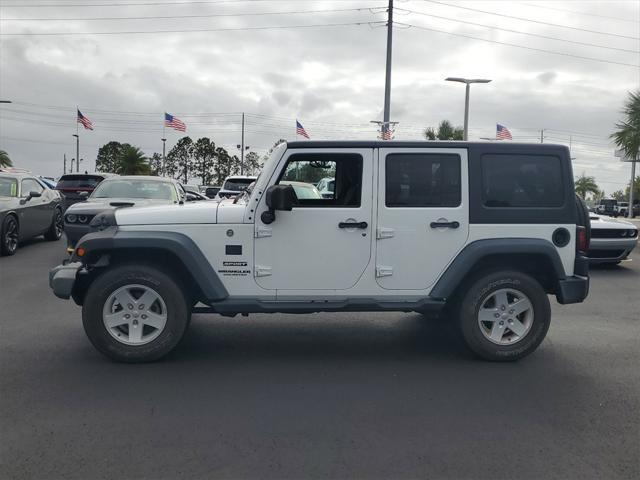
(30, 185)
(422, 180)
(331, 179)
(8, 187)
(513, 180)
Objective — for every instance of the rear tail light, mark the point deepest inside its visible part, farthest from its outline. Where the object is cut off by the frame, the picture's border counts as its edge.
(582, 244)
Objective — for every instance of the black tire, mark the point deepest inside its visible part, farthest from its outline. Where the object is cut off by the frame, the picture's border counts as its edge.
(178, 313)
(474, 297)
(9, 235)
(54, 232)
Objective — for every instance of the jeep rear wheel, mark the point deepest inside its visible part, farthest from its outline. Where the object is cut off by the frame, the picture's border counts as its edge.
(504, 316)
(135, 313)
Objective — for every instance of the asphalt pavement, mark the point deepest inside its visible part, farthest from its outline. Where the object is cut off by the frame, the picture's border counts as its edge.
(362, 395)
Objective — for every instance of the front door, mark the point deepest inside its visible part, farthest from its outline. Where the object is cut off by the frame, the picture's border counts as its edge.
(324, 243)
(33, 213)
(423, 215)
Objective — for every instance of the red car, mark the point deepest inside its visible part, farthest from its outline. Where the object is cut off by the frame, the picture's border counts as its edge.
(76, 187)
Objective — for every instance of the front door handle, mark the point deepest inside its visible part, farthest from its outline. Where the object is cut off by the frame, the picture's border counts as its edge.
(445, 224)
(361, 225)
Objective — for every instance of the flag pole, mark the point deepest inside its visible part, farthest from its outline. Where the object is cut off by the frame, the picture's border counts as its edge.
(164, 141)
(77, 135)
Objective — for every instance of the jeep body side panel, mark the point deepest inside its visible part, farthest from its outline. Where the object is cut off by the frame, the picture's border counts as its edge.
(182, 246)
(476, 251)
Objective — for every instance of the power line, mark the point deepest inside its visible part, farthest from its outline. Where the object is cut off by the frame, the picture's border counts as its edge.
(547, 37)
(142, 4)
(205, 15)
(564, 54)
(580, 13)
(199, 30)
(558, 25)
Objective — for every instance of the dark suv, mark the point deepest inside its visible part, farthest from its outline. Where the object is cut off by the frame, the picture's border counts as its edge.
(76, 187)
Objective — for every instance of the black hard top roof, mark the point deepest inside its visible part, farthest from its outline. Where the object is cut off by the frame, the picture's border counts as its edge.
(492, 146)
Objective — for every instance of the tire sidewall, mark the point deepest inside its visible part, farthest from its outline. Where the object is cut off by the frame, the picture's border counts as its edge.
(111, 280)
(477, 295)
(52, 233)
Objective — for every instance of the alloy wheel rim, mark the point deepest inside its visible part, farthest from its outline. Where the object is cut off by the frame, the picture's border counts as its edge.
(11, 236)
(505, 316)
(134, 314)
(58, 224)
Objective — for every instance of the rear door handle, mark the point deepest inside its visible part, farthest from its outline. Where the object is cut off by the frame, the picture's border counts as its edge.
(361, 225)
(445, 224)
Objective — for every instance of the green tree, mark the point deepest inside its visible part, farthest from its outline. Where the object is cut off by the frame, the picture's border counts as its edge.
(179, 161)
(155, 164)
(132, 161)
(586, 185)
(109, 157)
(5, 161)
(619, 195)
(446, 131)
(225, 166)
(252, 164)
(205, 158)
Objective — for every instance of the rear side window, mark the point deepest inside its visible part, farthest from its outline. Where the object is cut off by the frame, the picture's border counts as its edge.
(422, 180)
(513, 180)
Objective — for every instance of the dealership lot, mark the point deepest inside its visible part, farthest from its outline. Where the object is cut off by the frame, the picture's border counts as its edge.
(385, 395)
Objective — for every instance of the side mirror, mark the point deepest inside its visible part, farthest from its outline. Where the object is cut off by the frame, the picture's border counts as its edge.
(33, 194)
(278, 197)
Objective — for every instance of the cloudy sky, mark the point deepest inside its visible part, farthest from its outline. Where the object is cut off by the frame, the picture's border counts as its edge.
(561, 66)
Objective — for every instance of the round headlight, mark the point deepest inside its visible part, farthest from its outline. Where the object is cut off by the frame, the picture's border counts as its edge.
(82, 219)
(633, 233)
(71, 218)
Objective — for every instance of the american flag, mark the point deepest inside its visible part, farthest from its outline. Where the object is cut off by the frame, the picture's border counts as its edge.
(386, 134)
(86, 123)
(503, 133)
(300, 130)
(173, 122)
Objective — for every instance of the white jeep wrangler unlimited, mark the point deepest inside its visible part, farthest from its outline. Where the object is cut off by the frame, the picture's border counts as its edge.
(486, 229)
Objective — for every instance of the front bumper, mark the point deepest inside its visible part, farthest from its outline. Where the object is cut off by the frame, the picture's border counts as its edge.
(62, 279)
(572, 289)
(606, 250)
(75, 232)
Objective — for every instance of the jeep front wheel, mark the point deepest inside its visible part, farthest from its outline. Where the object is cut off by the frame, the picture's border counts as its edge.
(135, 313)
(504, 316)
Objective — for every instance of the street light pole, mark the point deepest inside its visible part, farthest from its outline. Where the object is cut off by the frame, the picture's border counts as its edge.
(467, 82)
(77, 152)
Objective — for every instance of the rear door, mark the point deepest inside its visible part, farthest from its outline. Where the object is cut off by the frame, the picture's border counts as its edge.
(423, 214)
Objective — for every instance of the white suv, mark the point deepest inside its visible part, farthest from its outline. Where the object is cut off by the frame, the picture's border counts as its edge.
(488, 230)
(233, 186)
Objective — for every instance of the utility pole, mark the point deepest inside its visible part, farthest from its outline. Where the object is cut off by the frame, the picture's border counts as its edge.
(542, 135)
(64, 167)
(71, 170)
(242, 147)
(387, 82)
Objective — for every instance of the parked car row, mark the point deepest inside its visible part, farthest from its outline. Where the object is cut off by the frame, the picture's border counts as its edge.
(615, 208)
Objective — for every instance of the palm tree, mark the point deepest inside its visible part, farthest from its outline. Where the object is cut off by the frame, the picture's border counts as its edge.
(586, 185)
(132, 161)
(5, 161)
(628, 135)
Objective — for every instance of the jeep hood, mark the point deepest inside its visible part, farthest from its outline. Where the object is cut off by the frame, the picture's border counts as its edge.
(187, 213)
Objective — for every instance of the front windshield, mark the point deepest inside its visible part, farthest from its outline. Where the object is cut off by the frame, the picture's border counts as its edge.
(8, 187)
(237, 184)
(136, 189)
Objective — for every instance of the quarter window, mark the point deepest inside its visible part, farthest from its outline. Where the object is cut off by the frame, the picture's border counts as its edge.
(422, 180)
(512, 180)
(329, 180)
